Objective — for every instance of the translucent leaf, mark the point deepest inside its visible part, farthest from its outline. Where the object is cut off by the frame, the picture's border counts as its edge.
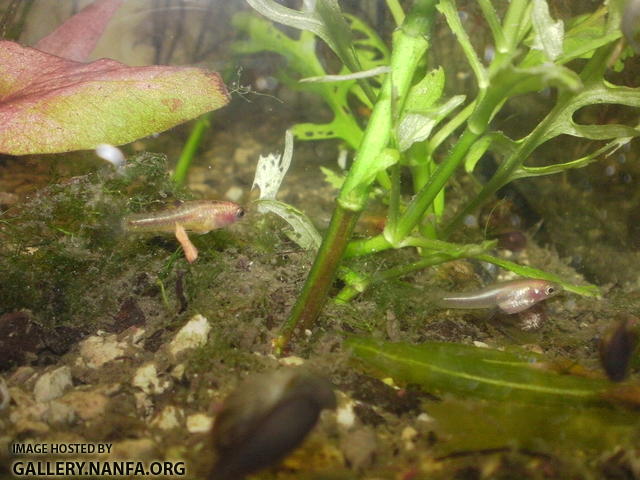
(549, 34)
(271, 170)
(76, 38)
(303, 233)
(349, 76)
(416, 126)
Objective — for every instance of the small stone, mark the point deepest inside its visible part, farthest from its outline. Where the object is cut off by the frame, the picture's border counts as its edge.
(199, 423)
(5, 396)
(146, 378)
(243, 154)
(86, 405)
(192, 335)
(426, 418)
(142, 449)
(291, 361)
(168, 418)
(345, 415)
(178, 372)
(22, 375)
(234, 194)
(53, 384)
(359, 448)
(408, 435)
(98, 350)
(59, 413)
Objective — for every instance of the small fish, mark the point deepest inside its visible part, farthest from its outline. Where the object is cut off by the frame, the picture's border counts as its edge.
(510, 297)
(199, 216)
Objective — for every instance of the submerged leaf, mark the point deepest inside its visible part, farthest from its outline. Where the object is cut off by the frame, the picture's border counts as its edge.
(49, 104)
(272, 168)
(486, 373)
(76, 38)
(416, 126)
(549, 34)
(471, 424)
(304, 233)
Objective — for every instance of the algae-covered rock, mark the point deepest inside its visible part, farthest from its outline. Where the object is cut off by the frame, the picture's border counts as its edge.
(65, 259)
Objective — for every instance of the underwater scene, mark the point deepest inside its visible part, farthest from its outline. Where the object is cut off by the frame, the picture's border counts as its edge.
(320, 239)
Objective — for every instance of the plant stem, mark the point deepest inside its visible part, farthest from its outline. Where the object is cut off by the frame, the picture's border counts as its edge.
(410, 44)
(190, 149)
(425, 197)
(315, 290)
(350, 291)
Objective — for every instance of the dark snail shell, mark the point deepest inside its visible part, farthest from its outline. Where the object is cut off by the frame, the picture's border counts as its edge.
(265, 418)
(617, 348)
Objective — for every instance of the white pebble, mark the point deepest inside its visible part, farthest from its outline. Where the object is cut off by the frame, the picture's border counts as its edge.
(192, 335)
(53, 384)
(146, 379)
(199, 423)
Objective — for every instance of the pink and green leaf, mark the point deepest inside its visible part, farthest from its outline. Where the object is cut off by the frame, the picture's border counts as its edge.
(76, 38)
(49, 104)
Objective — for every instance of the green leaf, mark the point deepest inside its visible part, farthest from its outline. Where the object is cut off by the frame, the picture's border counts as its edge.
(497, 142)
(386, 159)
(606, 150)
(301, 60)
(416, 126)
(332, 178)
(450, 11)
(527, 271)
(339, 32)
(466, 370)
(559, 431)
(426, 92)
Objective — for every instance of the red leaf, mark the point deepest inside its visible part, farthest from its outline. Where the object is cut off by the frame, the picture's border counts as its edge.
(76, 38)
(49, 104)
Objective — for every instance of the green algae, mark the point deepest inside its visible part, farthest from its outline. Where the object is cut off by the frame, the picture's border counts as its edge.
(62, 254)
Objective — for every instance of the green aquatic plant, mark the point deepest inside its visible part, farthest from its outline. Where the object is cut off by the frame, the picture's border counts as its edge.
(412, 120)
(469, 371)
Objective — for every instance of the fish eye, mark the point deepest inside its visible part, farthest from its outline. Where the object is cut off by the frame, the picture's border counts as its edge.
(551, 290)
(240, 212)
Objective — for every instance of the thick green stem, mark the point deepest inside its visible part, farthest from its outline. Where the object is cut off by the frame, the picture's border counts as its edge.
(410, 44)
(314, 294)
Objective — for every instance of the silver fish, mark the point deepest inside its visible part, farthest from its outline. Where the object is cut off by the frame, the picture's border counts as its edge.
(510, 297)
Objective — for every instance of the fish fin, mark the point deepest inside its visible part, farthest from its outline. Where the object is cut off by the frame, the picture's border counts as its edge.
(190, 250)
